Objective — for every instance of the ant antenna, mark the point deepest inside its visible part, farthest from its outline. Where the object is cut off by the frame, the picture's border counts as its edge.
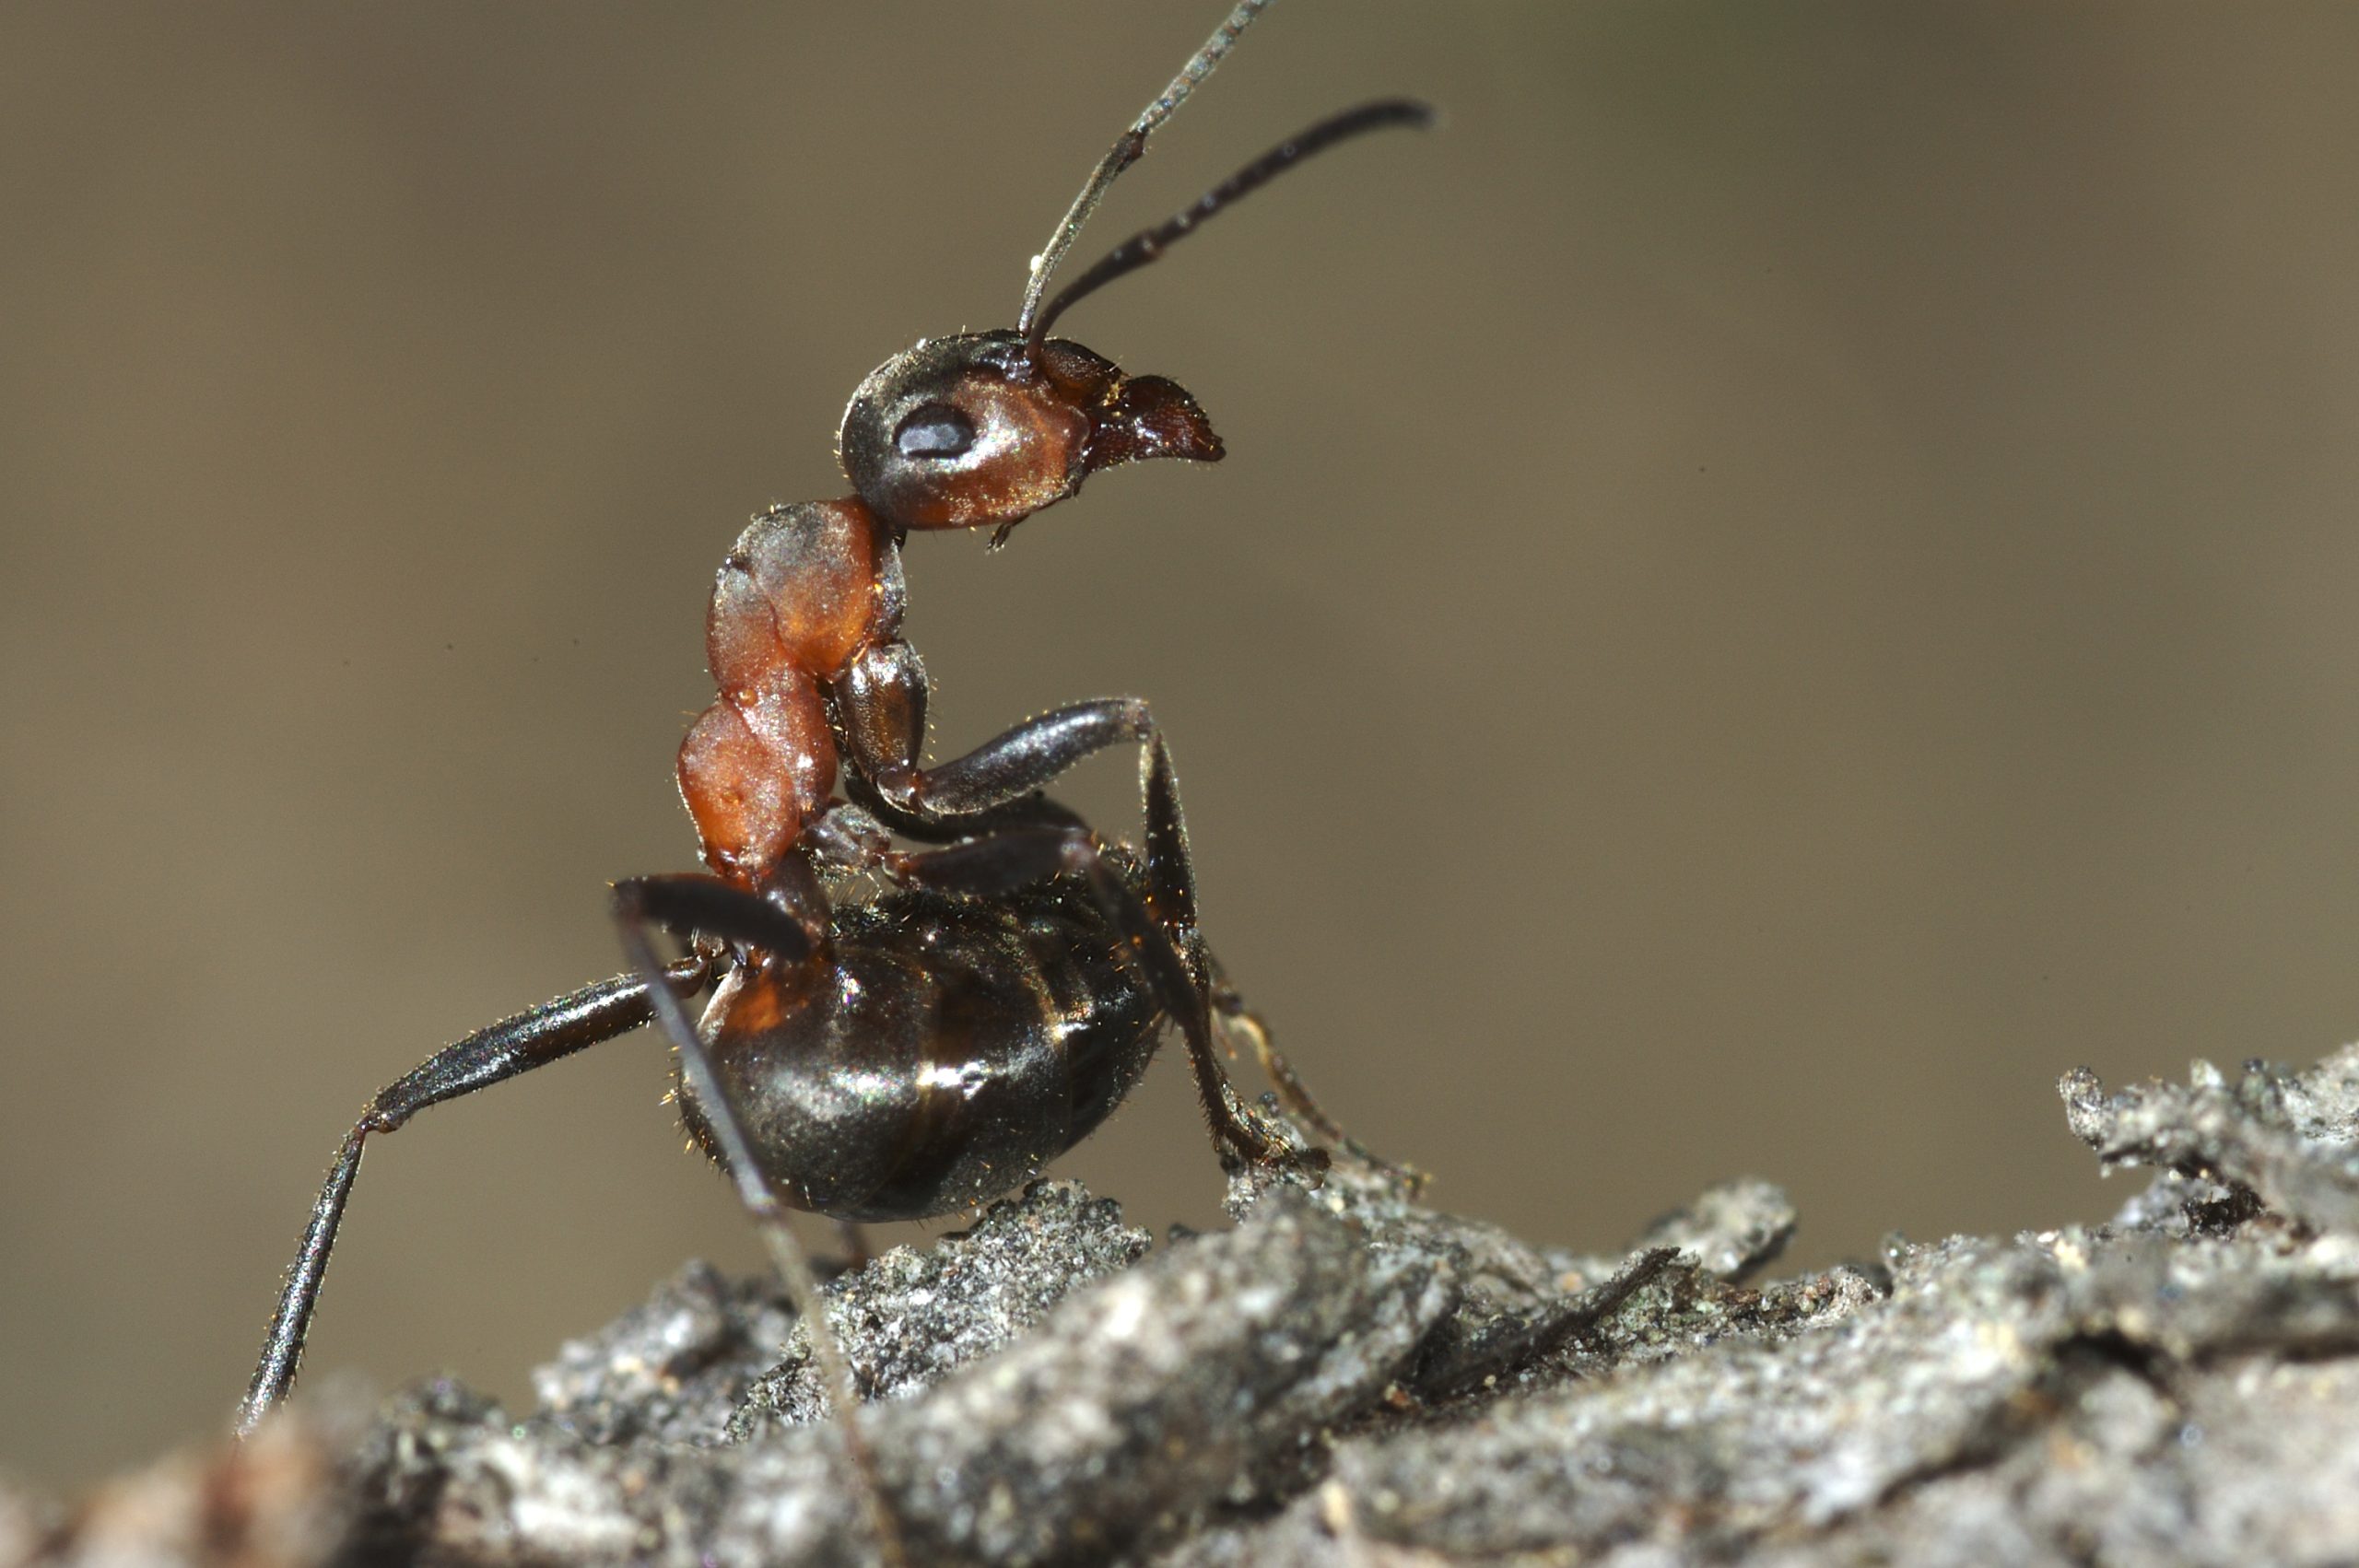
(1125, 152)
(1148, 244)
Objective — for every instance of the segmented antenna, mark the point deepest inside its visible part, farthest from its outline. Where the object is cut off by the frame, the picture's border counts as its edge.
(1148, 244)
(1125, 152)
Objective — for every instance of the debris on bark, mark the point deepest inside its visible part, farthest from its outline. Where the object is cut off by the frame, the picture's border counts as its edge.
(1348, 1378)
(2286, 1141)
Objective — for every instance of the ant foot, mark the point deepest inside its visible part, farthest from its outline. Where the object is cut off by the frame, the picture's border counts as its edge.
(1348, 1152)
(1252, 1174)
(1406, 1180)
(1306, 1167)
(1278, 1150)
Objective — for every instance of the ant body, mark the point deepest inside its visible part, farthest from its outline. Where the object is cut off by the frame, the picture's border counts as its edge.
(927, 1049)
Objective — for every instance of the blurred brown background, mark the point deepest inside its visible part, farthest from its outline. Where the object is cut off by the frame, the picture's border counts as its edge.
(1782, 578)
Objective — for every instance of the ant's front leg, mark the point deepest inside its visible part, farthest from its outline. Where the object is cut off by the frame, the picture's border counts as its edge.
(1232, 1016)
(1170, 904)
(1158, 931)
(1171, 895)
(879, 702)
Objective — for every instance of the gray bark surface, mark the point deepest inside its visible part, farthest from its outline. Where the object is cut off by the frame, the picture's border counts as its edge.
(1349, 1379)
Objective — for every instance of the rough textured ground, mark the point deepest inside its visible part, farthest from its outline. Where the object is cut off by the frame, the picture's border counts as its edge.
(1348, 1378)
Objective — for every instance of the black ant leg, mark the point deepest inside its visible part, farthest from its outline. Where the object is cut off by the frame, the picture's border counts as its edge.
(1158, 933)
(1171, 896)
(853, 1236)
(1172, 888)
(530, 1039)
(788, 931)
(1231, 1014)
(1170, 868)
(880, 700)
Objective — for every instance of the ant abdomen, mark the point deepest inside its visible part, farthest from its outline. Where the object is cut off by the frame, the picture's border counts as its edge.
(945, 1051)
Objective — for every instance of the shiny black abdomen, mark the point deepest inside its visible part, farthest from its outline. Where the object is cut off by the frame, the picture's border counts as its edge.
(940, 1053)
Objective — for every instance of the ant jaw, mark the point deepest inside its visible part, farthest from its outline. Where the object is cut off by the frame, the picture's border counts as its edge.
(1133, 418)
(1148, 416)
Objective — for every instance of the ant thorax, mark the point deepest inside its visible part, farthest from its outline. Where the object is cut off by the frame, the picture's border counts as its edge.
(806, 588)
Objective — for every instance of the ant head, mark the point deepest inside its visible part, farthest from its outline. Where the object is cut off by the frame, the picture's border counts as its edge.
(983, 429)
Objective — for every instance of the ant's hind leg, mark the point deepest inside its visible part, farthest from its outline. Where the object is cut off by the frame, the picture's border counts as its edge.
(707, 906)
(853, 1236)
(532, 1038)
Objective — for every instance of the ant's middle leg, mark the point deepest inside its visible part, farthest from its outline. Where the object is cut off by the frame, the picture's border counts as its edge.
(880, 702)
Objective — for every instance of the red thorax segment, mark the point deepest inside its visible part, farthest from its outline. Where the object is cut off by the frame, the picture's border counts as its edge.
(802, 591)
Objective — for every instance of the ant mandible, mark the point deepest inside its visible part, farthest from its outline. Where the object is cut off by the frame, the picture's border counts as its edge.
(928, 1049)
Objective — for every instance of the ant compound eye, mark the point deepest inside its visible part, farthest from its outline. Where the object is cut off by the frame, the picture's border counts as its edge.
(934, 430)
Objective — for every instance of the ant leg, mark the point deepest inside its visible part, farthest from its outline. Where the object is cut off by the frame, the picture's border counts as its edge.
(1171, 889)
(1157, 929)
(1171, 895)
(853, 1238)
(792, 930)
(1231, 1016)
(530, 1039)
(1170, 868)
(881, 700)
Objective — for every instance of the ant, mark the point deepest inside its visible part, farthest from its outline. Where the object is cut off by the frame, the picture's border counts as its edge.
(928, 1048)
